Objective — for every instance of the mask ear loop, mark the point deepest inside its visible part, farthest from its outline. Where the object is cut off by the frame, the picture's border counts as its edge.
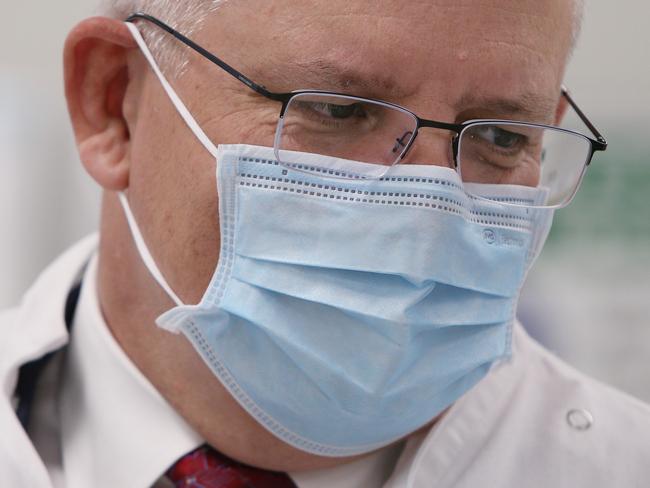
(145, 255)
(141, 246)
(173, 96)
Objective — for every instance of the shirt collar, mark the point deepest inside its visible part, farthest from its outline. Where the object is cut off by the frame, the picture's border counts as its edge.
(370, 471)
(116, 429)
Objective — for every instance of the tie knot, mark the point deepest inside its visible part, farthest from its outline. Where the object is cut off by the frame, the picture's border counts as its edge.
(207, 468)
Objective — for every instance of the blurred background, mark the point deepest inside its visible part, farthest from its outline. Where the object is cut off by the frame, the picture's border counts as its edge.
(587, 299)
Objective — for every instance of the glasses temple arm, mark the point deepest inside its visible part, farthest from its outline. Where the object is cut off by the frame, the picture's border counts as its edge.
(203, 52)
(602, 143)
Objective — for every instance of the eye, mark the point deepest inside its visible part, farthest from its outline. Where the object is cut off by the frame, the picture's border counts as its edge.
(500, 138)
(339, 112)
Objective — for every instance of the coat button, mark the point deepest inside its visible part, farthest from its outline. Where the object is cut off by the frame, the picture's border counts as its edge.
(580, 419)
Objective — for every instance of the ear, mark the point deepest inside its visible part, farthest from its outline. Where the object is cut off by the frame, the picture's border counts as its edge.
(96, 82)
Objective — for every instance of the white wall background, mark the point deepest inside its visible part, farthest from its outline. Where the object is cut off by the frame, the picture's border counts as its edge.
(590, 291)
(46, 201)
(594, 300)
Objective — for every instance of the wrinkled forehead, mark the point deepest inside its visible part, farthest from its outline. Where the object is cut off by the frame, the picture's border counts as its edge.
(399, 49)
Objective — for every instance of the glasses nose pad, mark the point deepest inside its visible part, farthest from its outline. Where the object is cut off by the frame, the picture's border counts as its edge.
(402, 142)
(440, 152)
(454, 150)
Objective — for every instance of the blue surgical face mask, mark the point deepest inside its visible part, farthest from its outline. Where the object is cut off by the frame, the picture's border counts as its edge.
(346, 313)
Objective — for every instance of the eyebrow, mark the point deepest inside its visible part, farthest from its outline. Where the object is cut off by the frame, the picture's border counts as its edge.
(333, 76)
(329, 75)
(529, 106)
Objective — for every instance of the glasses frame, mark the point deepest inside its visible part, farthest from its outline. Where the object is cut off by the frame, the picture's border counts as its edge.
(299, 93)
(532, 125)
(597, 142)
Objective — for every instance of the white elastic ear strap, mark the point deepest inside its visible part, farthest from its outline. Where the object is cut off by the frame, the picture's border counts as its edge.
(144, 251)
(175, 99)
(198, 132)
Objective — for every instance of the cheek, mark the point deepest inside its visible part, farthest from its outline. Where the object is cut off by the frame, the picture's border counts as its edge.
(174, 197)
(173, 182)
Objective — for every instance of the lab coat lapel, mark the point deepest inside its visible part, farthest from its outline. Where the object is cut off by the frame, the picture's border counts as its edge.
(29, 332)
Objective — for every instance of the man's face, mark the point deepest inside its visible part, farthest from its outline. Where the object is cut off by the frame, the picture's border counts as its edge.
(445, 60)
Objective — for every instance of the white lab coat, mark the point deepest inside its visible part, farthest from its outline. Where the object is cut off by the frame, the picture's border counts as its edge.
(512, 430)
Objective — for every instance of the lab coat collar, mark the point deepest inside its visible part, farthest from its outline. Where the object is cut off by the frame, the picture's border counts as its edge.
(432, 458)
(32, 330)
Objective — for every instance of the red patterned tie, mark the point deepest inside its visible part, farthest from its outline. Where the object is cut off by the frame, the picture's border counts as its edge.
(207, 468)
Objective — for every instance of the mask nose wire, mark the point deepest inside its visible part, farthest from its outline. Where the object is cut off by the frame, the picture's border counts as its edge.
(173, 96)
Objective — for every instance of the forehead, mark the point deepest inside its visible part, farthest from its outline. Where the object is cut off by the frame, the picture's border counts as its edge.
(442, 49)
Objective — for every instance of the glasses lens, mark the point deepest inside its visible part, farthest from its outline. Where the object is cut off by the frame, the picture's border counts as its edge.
(345, 127)
(526, 155)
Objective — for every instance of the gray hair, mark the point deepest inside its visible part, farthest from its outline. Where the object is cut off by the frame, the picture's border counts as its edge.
(186, 16)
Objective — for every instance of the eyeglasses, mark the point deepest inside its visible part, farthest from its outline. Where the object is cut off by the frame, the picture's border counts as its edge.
(483, 151)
